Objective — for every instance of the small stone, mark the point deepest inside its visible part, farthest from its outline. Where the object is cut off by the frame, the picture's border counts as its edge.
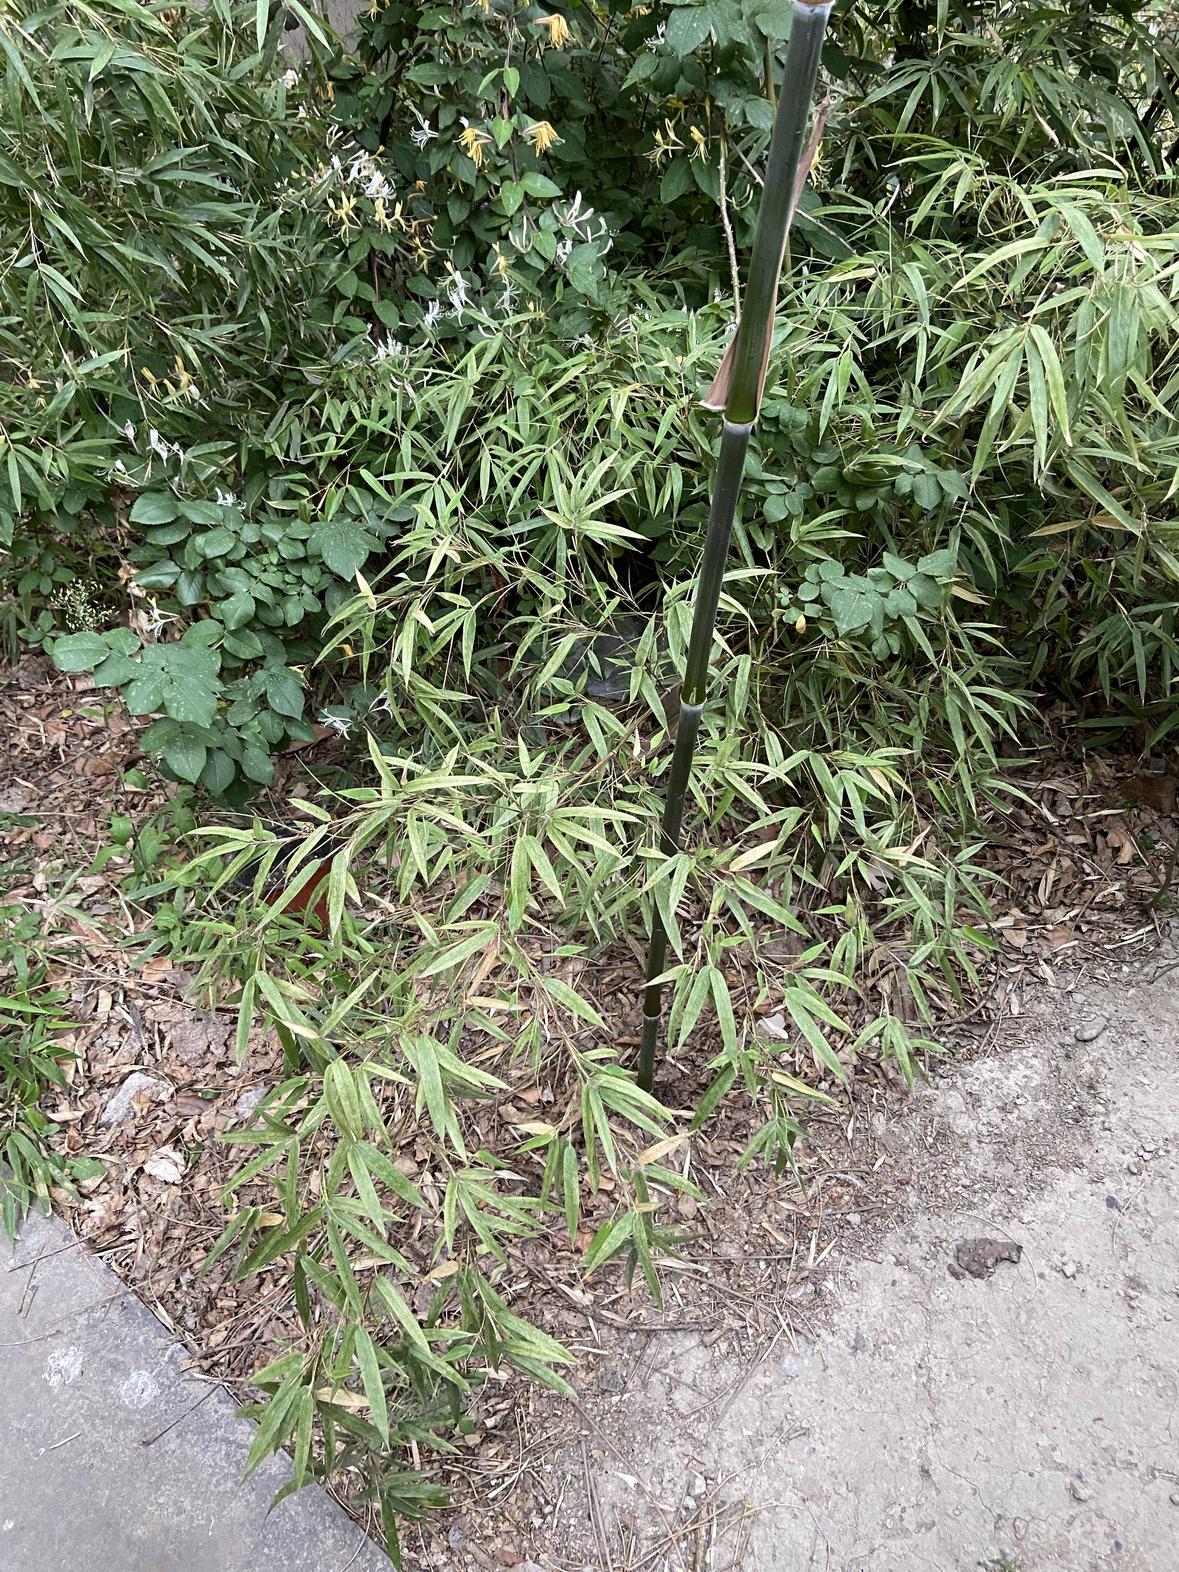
(248, 1101)
(136, 1085)
(1175, 1497)
(853, 1219)
(455, 1537)
(1089, 1031)
(773, 1027)
(1078, 1491)
(1067, 1269)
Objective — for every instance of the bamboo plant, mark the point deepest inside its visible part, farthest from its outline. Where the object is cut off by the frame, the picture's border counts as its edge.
(737, 392)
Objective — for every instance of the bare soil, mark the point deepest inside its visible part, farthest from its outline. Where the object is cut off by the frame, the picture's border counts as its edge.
(905, 1413)
(848, 1370)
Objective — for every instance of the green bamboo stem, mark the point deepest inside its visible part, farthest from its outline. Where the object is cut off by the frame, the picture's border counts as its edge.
(737, 390)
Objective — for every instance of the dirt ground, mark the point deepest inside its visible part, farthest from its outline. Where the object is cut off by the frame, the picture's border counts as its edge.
(817, 1390)
(908, 1416)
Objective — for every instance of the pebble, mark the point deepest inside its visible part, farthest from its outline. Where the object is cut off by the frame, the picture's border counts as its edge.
(1175, 1497)
(773, 1027)
(248, 1101)
(1079, 1492)
(1068, 1269)
(119, 1107)
(1090, 1031)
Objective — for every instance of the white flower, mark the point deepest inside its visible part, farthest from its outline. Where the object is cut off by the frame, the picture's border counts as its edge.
(120, 467)
(225, 499)
(423, 133)
(581, 222)
(457, 294)
(433, 312)
(564, 247)
(381, 705)
(388, 348)
(340, 724)
(508, 299)
(290, 78)
(154, 621)
(129, 433)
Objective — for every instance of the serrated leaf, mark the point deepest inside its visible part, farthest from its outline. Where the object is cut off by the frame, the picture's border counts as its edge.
(79, 651)
(155, 507)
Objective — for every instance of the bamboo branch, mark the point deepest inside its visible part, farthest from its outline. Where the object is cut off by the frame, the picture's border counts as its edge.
(737, 390)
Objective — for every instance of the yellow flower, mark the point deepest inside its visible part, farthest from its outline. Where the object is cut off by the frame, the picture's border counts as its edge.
(800, 625)
(666, 143)
(701, 149)
(343, 213)
(557, 28)
(382, 217)
(473, 142)
(541, 137)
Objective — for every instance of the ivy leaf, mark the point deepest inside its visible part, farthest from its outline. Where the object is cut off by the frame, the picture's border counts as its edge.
(257, 765)
(851, 606)
(927, 493)
(180, 679)
(236, 611)
(79, 651)
(155, 507)
(687, 28)
(185, 756)
(344, 545)
(926, 590)
(217, 775)
(773, 17)
(284, 691)
(941, 564)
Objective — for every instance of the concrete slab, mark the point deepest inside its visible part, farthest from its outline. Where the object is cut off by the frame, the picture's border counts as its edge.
(115, 1460)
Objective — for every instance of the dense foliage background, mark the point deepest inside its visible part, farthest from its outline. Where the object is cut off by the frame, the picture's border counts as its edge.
(364, 387)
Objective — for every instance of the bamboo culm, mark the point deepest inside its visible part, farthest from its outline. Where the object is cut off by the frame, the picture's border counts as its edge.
(738, 391)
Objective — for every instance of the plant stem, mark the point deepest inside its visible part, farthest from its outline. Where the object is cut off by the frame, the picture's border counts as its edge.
(738, 390)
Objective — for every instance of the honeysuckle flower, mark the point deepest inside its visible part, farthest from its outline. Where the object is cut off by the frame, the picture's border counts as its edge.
(474, 142)
(564, 247)
(224, 499)
(700, 151)
(340, 724)
(458, 294)
(342, 212)
(433, 312)
(557, 29)
(423, 133)
(666, 143)
(129, 433)
(290, 78)
(541, 137)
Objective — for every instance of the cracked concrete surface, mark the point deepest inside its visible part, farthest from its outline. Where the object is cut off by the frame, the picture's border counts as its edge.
(113, 1460)
(1025, 1421)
